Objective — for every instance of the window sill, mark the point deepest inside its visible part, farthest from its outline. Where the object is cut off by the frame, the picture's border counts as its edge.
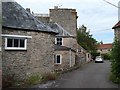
(15, 49)
(56, 64)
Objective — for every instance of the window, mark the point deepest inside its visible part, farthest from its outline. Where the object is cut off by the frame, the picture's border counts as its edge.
(58, 59)
(15, 43)
(59, 41)
(88, 55)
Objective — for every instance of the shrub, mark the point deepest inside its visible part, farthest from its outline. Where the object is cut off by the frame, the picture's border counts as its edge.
(8, 81)
(114, 79)
(115, 62)
(33, 79)
(49, 76)
(106, 56)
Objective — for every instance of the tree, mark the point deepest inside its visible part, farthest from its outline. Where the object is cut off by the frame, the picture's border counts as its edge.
(86, 40)
(115, 62)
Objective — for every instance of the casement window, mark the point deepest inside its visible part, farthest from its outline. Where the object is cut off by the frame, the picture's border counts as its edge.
(59, 41)
(58, 59)
(16, 42)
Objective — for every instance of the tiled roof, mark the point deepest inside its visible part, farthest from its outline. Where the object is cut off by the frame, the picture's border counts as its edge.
(15, 16)
(59, 48)
(117, 25)
(105, 46)
(61, 31)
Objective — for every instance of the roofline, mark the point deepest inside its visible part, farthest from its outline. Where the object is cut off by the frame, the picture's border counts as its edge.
(66, 48)
(66, 36)
(116, 25)
(21, 29)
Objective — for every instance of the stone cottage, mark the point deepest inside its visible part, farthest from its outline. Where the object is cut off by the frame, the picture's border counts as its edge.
(67, 51)
(27, 43)
(64, 54)
(67, 18)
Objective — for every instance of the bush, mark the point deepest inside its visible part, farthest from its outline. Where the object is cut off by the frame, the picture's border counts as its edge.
(114, 79)
(115, 62)
(50, 76)
(106, 56)
(8, 81)
(33, 79)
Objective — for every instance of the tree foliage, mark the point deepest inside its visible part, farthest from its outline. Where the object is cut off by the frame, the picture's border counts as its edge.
(116, 61)
(86, 40)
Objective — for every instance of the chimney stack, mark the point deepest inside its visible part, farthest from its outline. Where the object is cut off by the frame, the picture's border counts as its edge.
(28, 9)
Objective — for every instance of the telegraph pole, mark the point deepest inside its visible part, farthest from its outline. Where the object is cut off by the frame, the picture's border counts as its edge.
(0, 45)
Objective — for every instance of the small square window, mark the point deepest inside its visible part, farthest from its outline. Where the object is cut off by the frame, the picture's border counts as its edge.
(59, 41)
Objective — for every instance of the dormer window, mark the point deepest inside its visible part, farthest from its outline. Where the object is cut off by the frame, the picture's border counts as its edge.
(59, 41)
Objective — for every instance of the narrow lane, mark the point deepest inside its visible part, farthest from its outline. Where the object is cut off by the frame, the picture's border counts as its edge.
(92, 75)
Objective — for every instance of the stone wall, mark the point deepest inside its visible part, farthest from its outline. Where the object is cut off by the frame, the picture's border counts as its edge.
(38, 58)
(80, 58)
(43, 19)
(70, 42)
(66, 55)
(88, 57)
(117, 33)
(67, 18)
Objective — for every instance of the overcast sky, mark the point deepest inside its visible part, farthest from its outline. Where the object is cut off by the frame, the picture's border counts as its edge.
(98, 16)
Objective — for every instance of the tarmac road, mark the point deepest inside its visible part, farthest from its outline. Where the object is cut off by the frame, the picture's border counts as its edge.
(92, 75)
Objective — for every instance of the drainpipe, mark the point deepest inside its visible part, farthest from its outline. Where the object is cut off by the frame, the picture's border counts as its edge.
(70, 58)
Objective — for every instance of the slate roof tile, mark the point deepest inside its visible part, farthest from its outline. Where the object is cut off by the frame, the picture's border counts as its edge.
(15, 16)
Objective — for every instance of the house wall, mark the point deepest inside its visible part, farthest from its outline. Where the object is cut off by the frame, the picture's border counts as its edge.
(117, 33)
(88, 57)
(67, 18)
(80, 58)
(104, 51)
(38, 58)
(66, 55)
(43, 19)
(70, 42)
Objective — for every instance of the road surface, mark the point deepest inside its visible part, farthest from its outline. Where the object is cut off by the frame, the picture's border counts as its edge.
(92, 75)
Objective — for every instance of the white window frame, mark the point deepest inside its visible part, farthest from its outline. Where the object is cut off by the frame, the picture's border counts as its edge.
(56, 40)
(15, 37)
(56, 59)
(15, 48)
